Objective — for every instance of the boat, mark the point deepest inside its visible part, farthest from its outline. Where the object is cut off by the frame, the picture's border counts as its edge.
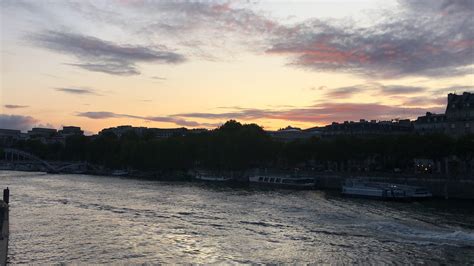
(203, 176)
(416, 192)
(382, 190)
(285, 181)
(213, 178)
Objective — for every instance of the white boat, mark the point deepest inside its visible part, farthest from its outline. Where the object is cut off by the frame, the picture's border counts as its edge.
(286, 181)
(416, 192)
(212, 178)
(381, 190)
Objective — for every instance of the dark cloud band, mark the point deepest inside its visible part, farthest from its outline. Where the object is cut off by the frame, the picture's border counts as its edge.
(15, 106)
(104, 56)
(18, 122)
(166, 119)
(321, 113)
(77, 91)
(425, 38)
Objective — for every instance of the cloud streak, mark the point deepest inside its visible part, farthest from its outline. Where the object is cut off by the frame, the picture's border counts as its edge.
(15, 106)
(103, 56)
(375, 88)
(167, 119)
(344, 92)
(77, 91)
(424, 101)
(158, 78)
(324, 113)
(400, 89)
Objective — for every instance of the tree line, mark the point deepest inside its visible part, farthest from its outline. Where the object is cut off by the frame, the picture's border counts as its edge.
(236, 146)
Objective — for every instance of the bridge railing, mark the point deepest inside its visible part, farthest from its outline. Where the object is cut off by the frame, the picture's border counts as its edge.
(45, 163)
(29, 156)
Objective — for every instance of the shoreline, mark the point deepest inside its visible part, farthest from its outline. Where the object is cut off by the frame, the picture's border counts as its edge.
(440, 187)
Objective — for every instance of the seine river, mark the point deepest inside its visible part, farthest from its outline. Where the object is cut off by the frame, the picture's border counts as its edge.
(91, 219)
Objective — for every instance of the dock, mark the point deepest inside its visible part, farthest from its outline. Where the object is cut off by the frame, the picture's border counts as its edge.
(4, 226)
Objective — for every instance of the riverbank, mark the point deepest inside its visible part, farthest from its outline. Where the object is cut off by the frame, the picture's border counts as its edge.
(440, 186)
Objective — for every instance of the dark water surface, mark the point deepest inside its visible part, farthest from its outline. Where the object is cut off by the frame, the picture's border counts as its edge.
(90, 219)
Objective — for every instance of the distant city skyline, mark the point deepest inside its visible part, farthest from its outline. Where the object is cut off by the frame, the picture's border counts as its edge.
(100, 64)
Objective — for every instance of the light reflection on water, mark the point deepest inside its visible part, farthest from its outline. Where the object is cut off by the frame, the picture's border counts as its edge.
(90, 219)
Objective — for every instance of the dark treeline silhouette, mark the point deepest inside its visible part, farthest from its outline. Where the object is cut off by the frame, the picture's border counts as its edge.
(234, 146)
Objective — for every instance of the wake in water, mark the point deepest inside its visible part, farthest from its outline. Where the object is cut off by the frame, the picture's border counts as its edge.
(418, 234)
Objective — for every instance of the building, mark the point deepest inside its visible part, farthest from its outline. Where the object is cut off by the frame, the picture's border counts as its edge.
(9, 136)
(46, 136)
(161, 133)
(155, 132)
(71, 131)
(38, 132)
(121, 130)
(368, 128)
(431, 123)
(197, 130)
(460, 107)
(458, 119)
(292, 133)
(460, 114)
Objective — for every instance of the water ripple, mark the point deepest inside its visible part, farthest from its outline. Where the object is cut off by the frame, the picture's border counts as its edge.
(97, 220)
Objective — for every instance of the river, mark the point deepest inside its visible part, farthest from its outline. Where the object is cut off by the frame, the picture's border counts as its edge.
(93, 219)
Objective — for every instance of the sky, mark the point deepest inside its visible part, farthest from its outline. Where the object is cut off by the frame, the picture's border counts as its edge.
(196, 64)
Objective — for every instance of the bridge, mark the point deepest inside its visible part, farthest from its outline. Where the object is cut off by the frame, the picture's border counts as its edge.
(18, 155)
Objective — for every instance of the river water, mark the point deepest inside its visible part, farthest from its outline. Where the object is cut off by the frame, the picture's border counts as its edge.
(91, 219)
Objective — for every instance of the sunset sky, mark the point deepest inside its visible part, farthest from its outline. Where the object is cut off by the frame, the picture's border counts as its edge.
(97, 64)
